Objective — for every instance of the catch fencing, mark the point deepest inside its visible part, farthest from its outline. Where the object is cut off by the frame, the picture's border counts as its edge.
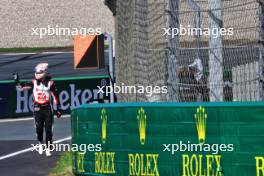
(201, 64)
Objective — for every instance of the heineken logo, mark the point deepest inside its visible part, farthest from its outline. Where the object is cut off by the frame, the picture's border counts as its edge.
(70, 98)
(200, 118)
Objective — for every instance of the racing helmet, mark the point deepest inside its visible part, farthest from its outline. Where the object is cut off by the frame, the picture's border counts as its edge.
(41, 70)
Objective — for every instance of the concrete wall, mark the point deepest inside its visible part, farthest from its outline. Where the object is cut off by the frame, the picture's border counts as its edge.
(19, 17)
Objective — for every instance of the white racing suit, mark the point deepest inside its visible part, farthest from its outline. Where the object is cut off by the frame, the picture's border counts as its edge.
(43, 112)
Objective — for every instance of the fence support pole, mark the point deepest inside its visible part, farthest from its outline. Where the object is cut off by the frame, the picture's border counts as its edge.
(261, 49)
(215, 52)
(173, 51)
(197, 24)
(111, 64)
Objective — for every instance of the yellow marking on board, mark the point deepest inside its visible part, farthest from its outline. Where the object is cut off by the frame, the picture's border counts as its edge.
(142, 118)
(104, 124)
(104, 162)
(143, 164)
(194, 165)
(200, 118)
(259, 165)
(80, 162)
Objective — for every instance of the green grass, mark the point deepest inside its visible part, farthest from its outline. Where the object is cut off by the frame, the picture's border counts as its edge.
(63, 166)
(35, 49)
(38, 49)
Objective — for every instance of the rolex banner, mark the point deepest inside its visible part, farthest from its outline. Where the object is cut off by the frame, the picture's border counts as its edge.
(169, 139)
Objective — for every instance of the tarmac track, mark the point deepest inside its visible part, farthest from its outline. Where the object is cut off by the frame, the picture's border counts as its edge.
(17, 136)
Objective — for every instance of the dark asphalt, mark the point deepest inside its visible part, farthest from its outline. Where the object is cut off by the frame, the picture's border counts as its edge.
(16, 136)
(24, 130)
(60, 65)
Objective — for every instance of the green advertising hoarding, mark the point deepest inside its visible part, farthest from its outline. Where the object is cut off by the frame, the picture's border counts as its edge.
(170, 139)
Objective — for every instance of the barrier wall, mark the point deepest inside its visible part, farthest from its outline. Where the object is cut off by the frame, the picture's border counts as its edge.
(169, 139)
(72, 93)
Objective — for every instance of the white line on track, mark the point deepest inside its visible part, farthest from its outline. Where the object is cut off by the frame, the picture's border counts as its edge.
(30, 149)
(56, 52)
(17, 54)
(27, 118)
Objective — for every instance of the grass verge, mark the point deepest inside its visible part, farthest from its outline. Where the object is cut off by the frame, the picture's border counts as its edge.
(35, 50)
(63, 166)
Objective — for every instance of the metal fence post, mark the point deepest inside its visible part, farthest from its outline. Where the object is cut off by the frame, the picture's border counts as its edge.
(111, 64)
(173, 52)
(215, 52)
(261, 48)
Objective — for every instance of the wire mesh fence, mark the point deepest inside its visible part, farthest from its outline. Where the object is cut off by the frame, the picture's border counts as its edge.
(203, 50)
(219, 56)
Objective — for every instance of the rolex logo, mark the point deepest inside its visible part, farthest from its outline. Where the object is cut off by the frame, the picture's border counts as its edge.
(200, 118)
(141, 117)
(104, 123)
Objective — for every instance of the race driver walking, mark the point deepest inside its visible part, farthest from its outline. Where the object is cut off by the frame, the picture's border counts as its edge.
(43, 89)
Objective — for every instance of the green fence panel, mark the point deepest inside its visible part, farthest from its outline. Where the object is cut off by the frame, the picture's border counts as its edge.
(203, 139)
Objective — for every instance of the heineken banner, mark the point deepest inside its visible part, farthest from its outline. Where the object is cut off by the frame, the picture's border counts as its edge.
(72, 92)
(169, 139)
